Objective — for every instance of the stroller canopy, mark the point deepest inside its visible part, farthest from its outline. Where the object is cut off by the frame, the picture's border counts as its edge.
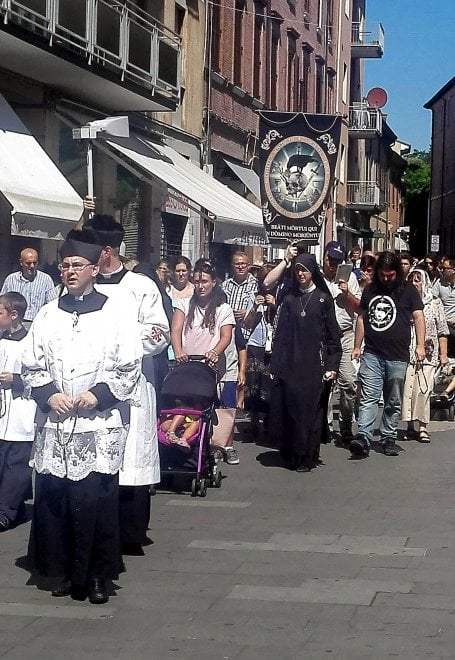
(191, 383)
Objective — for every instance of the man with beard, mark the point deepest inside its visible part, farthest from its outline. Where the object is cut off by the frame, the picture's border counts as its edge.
(387, 306)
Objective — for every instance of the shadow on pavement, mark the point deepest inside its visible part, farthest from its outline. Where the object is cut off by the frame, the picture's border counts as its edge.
(271, 459)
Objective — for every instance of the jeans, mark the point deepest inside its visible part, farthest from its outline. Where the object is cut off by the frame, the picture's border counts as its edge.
(377, 376)
(347, 386)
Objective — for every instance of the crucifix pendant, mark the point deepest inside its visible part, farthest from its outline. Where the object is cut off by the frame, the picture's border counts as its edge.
(303, 313)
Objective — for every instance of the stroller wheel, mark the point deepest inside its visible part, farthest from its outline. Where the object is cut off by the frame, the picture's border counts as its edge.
(194, 487)
(202, 488)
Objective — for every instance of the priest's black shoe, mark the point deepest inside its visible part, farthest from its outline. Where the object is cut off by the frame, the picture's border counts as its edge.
(62, 590)
(132, 549)
(98, 593)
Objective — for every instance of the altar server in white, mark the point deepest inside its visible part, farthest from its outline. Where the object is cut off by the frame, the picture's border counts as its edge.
(141, 466)
(17, 413)
(82, 362)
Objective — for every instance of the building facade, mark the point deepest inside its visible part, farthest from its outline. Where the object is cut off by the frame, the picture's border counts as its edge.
(306, 56)
(442, 191)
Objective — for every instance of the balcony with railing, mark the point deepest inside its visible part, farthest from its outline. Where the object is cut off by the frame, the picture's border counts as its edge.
(364, 196)
(365, 122)
(109, 51)
(368, 43)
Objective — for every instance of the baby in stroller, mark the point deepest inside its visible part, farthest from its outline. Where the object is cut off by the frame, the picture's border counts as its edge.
(180, 429)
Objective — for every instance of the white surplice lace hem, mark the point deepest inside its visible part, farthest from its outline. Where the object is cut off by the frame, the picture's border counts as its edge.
(77, 456)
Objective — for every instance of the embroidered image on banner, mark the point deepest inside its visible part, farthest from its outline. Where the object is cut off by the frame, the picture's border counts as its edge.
(297, 159)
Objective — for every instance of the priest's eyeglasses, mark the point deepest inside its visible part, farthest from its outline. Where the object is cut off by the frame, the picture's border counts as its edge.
(76, 267)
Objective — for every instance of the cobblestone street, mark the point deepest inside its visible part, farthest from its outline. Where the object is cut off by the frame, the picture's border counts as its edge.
(354, 560)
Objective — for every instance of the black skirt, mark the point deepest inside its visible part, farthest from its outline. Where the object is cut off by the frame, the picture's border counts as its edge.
(75, 528)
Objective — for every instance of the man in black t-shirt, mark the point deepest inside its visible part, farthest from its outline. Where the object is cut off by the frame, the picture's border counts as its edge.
(387, 307)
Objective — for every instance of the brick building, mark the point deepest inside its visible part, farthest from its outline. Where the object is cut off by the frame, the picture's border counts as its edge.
(303, 56)
(442, 192)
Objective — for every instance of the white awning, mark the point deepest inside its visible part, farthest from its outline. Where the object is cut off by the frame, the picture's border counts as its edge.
(248, 177)
(43, 203)
(181, 175)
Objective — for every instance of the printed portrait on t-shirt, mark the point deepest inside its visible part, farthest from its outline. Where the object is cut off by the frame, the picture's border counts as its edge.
(382, 313)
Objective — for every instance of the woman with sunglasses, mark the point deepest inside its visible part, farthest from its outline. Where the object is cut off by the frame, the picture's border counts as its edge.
(420, 376)
(430, 265)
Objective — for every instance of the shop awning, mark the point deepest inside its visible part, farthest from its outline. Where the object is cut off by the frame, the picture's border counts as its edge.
(248, 177)
(204, 192)
(43, 203)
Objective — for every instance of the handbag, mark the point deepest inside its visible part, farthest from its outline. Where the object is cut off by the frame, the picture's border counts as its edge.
(222, 431)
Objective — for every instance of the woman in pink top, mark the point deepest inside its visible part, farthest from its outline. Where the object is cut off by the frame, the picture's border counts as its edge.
(202, 324)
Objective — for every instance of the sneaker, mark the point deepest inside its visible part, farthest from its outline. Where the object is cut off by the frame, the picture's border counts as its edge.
(390, 448)
(242, 416)
(359, 447)
(230, 456)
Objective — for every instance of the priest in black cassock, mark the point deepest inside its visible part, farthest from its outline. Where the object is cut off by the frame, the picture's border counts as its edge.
(305, 359)
(83, 363)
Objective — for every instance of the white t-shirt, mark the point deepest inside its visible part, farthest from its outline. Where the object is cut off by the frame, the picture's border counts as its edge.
(198, 340)
(344, 317)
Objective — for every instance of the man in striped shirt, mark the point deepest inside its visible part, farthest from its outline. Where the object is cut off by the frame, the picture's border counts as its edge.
(32, 283)
(241, 288)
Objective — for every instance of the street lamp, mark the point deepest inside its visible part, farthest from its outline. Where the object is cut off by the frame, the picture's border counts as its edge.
(96, 130)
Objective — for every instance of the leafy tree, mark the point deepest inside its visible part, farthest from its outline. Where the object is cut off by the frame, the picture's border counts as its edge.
(417, 180)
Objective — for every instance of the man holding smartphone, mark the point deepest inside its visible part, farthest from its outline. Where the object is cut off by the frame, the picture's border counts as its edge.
(344, 287)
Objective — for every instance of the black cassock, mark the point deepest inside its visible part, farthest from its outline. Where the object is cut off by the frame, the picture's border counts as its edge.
(306, 344)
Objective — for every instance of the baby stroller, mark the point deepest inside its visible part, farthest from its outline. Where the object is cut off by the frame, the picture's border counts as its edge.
(442, 407)
(190, 390)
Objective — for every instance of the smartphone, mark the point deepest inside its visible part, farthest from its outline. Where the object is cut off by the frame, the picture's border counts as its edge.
(343, 272)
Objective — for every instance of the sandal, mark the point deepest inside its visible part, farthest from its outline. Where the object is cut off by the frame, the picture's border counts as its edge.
(175, 440)
(424, 436)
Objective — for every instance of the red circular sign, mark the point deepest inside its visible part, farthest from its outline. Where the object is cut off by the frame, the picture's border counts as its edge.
(377, 97)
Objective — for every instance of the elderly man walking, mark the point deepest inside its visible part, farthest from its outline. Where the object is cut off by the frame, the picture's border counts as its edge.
(30, 282)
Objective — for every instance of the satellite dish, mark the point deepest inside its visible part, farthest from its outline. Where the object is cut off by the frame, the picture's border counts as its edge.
(377, 97)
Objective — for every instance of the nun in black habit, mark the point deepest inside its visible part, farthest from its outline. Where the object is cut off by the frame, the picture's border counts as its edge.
(305, 360)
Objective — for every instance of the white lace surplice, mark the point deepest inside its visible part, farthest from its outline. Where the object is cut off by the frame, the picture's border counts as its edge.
(76, 456)
(102, 347)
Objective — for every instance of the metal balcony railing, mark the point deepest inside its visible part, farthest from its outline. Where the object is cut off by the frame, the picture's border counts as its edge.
(365, 120)
(363, 194)
(115, 34)
(360, 36)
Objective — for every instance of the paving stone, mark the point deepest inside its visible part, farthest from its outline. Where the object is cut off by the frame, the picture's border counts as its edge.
(343, 592)
(209, 504)
(354, 548)
(418, 601)
(56, 611)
